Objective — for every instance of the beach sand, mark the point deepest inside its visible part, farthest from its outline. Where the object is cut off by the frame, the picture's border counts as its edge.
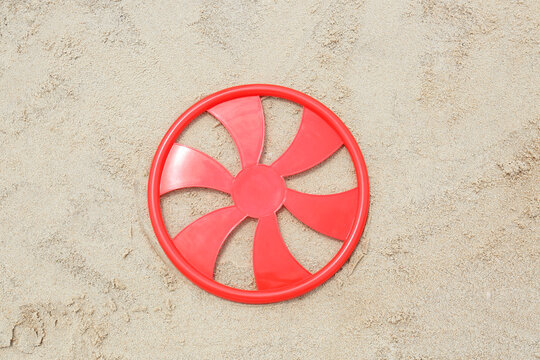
(443, 98)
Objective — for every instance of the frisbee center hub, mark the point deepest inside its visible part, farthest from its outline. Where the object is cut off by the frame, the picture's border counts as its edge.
(258, 190)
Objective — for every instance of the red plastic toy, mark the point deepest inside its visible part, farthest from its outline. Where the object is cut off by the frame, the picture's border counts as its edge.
(258, 191)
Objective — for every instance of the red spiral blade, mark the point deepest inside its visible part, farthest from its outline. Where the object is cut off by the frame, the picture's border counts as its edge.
(314, 142)
(187, 167)
(244, 119)
(200, 242)
(332, 215)
(273, 264)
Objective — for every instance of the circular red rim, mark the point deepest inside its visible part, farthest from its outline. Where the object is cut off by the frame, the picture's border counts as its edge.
(257, 296)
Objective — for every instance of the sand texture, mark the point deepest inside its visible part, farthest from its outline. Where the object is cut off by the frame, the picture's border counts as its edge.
(442, 96)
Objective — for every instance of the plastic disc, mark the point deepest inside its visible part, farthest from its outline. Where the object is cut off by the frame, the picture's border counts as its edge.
(258, 191)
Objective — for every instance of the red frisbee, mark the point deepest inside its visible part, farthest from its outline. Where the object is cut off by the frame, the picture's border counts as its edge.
(258, 191)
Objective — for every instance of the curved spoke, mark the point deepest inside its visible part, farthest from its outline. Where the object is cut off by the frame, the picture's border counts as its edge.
(332, 215)
(187, 167)
(314, 143)
(273, 264)
(200, 242)
(244, 119)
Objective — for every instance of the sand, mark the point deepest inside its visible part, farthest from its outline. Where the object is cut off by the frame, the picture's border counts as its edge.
(442, 96)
